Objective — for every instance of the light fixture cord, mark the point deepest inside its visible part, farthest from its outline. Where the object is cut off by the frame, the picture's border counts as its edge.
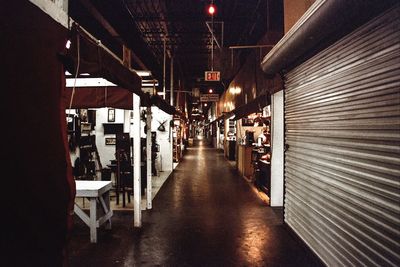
(76, 72)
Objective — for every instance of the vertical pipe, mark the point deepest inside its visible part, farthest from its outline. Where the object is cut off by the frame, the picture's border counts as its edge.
(172, 82)
(222, 35)
(178, 93)
(231, 58)
(172, 116)
(212, 42)
(148, 159)
(135, 133)
(218, 133)
(171, 144)
(185, 108)
(164, 68)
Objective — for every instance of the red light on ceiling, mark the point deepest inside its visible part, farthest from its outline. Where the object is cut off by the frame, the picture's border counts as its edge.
(211, 9)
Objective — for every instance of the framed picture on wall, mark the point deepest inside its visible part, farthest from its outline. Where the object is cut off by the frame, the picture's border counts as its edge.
(247, 122)
(111, 115)
(83, 115)
(111, 141)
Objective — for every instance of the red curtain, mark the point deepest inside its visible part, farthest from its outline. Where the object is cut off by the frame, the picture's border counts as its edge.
(98, 97)
(39, 189)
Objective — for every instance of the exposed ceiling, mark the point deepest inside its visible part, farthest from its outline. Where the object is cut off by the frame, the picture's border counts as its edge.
(184, 26)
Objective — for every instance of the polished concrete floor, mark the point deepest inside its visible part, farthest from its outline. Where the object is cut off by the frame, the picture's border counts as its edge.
(204, 215)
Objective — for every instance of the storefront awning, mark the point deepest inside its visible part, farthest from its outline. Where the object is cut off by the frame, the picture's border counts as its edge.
(323, 24)
(254, 106)
(163, 105)
(115, 97)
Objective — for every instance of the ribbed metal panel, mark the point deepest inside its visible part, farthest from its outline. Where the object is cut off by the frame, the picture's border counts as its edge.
(342, 165)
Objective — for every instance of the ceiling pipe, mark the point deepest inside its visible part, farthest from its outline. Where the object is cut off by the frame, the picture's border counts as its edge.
(164, 69)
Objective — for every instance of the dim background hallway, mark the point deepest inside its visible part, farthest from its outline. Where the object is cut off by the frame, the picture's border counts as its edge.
(204, 215)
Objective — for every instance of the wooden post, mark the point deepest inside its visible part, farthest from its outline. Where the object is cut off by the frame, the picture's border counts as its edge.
(126, 56)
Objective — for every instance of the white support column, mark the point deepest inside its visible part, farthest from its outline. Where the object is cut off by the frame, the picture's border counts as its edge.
(277, 146)
(148, 159)
(171, 100)
(218, 133)
(171, 134)
(164, 69)
(137, 192)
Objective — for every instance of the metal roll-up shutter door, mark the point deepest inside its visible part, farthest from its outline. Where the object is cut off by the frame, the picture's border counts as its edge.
(342, 164)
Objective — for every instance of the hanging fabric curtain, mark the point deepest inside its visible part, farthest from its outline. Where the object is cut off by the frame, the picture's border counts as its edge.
(98, 97)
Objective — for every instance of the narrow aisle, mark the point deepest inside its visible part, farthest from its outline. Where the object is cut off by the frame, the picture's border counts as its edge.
(204, 215)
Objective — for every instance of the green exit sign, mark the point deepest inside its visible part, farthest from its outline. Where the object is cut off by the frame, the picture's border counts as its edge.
(212, 76)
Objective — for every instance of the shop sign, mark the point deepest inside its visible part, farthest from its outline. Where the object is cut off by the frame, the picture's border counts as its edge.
(209, 98)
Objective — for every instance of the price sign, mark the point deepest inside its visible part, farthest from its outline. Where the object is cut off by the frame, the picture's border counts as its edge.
(212, 76)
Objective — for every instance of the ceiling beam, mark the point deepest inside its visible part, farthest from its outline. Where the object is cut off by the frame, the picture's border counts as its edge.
(110, 29)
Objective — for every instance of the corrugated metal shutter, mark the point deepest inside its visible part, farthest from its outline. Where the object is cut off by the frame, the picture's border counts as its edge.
(342, 165)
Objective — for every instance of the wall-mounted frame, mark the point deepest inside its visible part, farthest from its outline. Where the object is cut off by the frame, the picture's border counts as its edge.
(86, 127)
(247, 122)
(111, 140)
(111, 115)
(83, 115)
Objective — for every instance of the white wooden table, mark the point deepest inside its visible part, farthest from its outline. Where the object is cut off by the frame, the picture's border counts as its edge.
(96, 192)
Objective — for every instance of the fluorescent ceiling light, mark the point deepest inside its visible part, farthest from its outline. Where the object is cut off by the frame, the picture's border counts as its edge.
(149, 81)
(88, 82)
(149, 84)
(160, 93)
(143, 73)
(82, 74)
(68, 44)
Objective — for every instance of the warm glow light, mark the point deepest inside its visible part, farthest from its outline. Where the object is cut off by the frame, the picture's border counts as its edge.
(205, 104)
(210, 90)
(235, 90)
(211, 9)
